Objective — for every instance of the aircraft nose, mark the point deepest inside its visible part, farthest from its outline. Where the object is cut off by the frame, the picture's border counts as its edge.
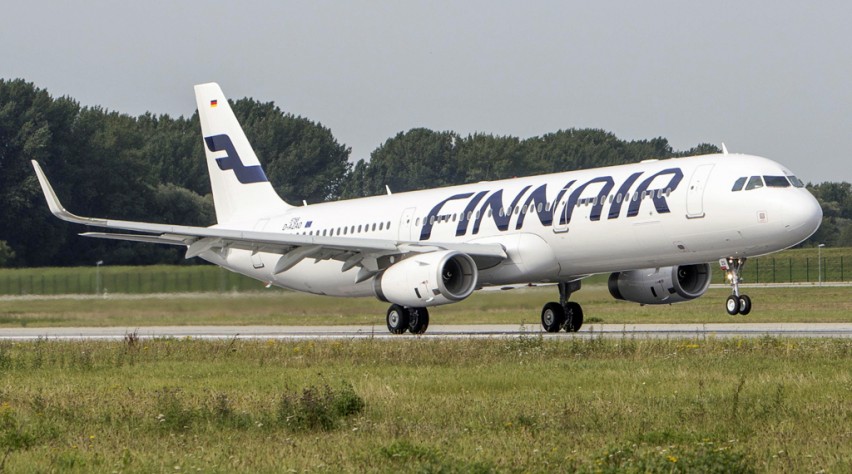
(803, 215)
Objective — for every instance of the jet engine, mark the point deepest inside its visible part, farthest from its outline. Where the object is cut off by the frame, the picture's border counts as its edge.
(663, 285)
(428, 279)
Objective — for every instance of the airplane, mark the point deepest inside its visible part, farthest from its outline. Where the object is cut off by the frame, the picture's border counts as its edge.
(653, 226)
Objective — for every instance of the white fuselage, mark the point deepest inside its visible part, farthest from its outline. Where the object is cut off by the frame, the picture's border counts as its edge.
(558, 227)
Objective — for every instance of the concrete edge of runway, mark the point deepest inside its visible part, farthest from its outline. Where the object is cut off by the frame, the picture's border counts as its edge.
(642, 331)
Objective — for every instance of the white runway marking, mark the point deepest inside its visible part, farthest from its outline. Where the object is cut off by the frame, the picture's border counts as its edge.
(480, 331)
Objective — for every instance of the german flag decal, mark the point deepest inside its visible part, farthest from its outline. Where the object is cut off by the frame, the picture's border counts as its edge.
(214, 103)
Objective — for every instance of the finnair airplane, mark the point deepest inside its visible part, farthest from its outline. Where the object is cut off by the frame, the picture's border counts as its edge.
(652, 225)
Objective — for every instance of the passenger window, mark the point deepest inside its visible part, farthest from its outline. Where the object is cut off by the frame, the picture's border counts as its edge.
(753, 183)
(776, 181)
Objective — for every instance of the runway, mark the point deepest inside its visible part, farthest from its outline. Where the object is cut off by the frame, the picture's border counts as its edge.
(482, 331)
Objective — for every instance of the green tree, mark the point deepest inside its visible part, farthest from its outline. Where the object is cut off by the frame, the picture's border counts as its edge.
(6, 253)
(417, 159)
(33, 126)
(482, 157)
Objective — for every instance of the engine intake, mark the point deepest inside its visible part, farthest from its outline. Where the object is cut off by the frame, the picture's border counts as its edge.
(663, 285)
(428, 279)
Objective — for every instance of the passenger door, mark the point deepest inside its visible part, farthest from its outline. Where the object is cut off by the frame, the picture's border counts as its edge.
(695, 192)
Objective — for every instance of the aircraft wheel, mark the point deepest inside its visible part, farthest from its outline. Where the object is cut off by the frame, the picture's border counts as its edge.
(418, 320)
(745, 305)
(397, 319)
(552, 317)
(732, 305)
(573, 316)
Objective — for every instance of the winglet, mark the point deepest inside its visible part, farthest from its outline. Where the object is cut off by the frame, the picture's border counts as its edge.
(56, 206)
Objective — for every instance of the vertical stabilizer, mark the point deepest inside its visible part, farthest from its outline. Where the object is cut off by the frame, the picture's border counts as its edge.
(240, 188)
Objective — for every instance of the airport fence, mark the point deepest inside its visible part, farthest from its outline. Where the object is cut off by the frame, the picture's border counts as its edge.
(125, 280)
(796, 270)
(208, 278)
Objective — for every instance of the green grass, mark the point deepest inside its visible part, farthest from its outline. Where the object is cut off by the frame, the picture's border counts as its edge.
(419, 405)
(805, 304)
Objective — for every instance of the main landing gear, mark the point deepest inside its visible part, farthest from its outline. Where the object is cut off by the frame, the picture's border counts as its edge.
(567, 315)
(401, 319)
(736, 303)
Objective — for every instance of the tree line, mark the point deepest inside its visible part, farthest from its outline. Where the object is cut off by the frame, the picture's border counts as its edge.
(152, 168)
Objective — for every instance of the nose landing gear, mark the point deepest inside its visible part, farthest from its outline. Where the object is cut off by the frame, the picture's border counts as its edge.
(736, 303)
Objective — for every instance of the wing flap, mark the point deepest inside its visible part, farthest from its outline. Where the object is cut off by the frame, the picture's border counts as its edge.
(150, 239)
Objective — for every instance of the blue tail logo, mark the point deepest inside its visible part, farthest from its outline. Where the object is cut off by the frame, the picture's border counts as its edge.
(231, 161)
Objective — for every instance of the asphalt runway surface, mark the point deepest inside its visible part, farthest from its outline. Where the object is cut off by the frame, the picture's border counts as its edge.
(479, 331)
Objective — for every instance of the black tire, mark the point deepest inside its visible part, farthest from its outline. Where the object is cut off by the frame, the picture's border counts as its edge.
(418, 320)
(732, 305)
(745, 305)
(552, 317)
(573, 317)
(397, 319)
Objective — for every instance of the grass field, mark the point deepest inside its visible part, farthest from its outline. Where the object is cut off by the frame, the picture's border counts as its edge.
(801, 304)
(417, 405)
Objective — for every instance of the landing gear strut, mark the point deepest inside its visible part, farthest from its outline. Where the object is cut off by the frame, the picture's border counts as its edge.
(401, 319)
(567, 315)
(736, 303)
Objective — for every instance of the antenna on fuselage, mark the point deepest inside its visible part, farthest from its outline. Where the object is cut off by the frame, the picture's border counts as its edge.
(724, 149)
(388, 189)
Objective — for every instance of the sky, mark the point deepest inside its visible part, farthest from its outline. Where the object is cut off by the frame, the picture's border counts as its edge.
(765, 77)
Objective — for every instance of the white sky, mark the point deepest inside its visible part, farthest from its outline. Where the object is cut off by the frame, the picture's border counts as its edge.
(767, 78)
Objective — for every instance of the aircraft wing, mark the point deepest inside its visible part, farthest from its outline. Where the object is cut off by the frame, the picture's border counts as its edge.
(293, 248)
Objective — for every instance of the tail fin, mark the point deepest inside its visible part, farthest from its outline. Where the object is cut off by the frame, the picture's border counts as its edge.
(240, 188)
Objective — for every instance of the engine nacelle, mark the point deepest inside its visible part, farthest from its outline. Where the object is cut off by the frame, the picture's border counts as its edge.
(663, 285)
(428, 279)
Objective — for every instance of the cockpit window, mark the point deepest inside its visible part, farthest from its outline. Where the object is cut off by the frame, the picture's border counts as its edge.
(776, 181)
(796, 182)
(754, 182)
(738, 184)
